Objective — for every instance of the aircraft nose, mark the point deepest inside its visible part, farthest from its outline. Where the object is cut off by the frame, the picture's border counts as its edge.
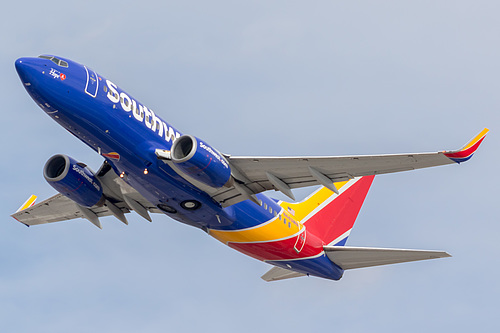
(20, 65)
(24, 62)
(25, 68)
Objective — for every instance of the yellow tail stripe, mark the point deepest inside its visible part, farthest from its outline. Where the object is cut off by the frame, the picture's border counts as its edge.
(302, 209)
(276, 228)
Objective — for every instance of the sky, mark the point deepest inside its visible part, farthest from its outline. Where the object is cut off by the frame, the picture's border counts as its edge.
(269, 78)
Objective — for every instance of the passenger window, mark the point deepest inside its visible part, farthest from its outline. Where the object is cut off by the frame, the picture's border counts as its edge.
(265, 206)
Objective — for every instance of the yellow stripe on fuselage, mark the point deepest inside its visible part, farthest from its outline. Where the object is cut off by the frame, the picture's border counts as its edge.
(268, 231)
(276, 228)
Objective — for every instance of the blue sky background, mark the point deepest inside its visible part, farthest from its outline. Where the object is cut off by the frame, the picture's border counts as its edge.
(263, 78)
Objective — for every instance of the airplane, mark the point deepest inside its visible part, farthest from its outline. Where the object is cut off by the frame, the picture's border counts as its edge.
(151, 167)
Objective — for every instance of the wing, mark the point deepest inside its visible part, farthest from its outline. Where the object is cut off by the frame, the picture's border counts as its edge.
(120, 197)
(258, 174)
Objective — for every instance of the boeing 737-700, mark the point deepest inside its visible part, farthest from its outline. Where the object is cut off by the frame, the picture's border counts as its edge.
(151, 167)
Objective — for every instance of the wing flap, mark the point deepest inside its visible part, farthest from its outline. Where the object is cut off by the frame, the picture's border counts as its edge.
(347, 257)
(54, 209)
(59, 208)
(295, 172)
(121, 198)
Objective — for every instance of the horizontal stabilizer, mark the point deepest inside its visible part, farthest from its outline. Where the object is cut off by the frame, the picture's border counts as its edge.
(347, 257)
(278, 273)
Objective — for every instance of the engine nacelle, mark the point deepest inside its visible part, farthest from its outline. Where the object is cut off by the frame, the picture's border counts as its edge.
(73, 180)
(200, 161)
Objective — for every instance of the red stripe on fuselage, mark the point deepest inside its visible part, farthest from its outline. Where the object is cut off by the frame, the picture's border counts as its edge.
(282, 249)
(326, 225)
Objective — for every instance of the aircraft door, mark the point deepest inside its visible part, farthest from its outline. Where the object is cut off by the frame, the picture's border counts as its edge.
(92, 83)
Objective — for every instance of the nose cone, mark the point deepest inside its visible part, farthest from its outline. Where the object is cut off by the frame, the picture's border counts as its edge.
(19, 64)
(26, 68)
(36, 80)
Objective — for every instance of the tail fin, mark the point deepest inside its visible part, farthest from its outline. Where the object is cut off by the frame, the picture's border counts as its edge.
(330, 216)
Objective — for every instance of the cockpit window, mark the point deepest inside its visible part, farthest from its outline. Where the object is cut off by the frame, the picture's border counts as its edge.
(55, 60)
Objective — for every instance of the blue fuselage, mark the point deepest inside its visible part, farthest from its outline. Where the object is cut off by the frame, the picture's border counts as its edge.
(127, 133)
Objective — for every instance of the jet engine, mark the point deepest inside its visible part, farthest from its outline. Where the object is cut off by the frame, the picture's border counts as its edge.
(200, 161)
(73, 180)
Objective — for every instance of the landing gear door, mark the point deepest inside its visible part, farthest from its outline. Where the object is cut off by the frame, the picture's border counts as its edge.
(92, 83)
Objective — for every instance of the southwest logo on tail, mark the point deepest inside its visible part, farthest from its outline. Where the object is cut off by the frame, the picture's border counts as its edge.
(151, 167)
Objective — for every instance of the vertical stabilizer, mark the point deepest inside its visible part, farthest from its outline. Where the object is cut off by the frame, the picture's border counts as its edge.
(330, 216)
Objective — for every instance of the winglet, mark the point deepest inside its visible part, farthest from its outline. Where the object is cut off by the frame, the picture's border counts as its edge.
(466, 152)
(28, 203)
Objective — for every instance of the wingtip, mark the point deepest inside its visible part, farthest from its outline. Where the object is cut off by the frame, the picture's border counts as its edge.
(466, 152)
(28, 203)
